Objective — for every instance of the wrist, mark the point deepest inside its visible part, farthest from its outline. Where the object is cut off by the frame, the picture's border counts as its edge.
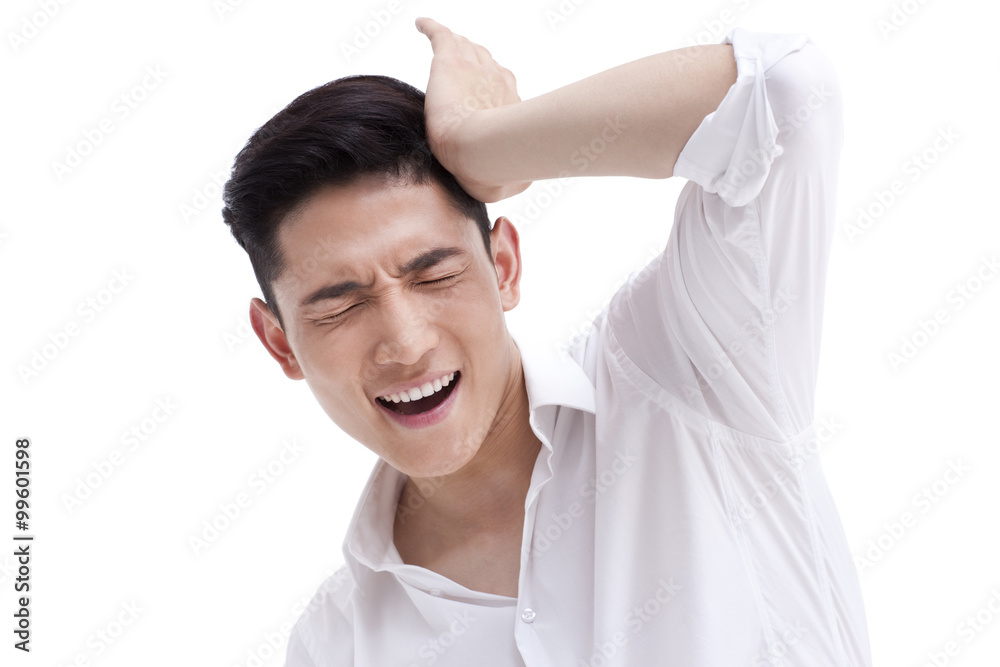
(468, 149)
(473, 151)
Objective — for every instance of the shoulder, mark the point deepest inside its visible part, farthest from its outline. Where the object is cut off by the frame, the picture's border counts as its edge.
(324, 632)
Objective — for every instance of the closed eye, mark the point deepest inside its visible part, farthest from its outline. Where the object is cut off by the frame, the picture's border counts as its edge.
(334, 318)
(439, 280)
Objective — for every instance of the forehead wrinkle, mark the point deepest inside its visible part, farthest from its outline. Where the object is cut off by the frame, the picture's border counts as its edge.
(421, 262)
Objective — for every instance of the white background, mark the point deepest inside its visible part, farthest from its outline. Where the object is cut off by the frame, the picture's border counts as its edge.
(178, 333)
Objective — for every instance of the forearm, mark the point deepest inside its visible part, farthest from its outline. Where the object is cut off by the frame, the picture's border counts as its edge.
(631, 120)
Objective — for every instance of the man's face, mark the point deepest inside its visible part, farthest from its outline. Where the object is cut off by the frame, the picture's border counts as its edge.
(364, 320)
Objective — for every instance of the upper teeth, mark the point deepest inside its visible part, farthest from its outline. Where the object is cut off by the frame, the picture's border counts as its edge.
(426, 389)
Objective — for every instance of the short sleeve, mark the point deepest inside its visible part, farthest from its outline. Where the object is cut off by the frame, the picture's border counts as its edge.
(728, 317)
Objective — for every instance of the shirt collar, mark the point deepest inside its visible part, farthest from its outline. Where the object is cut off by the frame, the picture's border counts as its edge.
(551, 378)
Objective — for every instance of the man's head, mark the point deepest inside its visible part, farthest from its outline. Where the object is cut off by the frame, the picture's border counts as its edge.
(331, 135)
(348, 218)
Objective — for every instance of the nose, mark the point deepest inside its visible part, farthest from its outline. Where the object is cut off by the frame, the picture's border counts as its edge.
(407, 331)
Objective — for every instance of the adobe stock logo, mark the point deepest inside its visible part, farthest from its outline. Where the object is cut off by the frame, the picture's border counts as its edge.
(635, 620)
(59, 340)
(121, 108)
(32, 24)
(925, 331)
(968, 629)
(231, 509)
(131, 439)
(926, 499)
(899, 16)
(914, 167)
(431, 650)
(561, 12)
(364, 34)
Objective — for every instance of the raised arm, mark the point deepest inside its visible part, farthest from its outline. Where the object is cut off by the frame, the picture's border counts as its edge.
(631, 120)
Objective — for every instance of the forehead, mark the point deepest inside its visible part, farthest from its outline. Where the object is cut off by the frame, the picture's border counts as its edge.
(347, 231)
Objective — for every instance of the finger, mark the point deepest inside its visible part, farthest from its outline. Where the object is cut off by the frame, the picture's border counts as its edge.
(511, 81)
(441, 37)
(472, 51)
(429, 26)
(467, 49)
(483, 55)
(443, 40)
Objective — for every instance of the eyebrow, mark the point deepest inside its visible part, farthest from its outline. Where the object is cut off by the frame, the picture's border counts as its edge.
(421, 262)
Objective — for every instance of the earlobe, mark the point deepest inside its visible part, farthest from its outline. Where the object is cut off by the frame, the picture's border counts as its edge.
(505, 244)
(265, 325)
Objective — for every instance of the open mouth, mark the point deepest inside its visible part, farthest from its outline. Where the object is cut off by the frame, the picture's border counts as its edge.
(421, 405)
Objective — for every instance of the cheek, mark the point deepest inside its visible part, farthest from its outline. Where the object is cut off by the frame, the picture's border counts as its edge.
(484, 317)
(330, 370)
(317, 353)
(475, 303)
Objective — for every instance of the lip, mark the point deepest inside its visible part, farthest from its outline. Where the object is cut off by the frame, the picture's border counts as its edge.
(426, 419)
(418, 382)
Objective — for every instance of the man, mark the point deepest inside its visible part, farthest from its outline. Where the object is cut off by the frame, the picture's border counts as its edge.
(651, 497)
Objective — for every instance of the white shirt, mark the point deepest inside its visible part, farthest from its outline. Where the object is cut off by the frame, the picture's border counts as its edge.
(677, 512)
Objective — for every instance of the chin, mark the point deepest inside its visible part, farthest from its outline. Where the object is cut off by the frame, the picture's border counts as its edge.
(434, 466)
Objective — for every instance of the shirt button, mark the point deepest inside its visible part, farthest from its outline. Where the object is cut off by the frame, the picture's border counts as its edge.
(436, 592)
(528, 615)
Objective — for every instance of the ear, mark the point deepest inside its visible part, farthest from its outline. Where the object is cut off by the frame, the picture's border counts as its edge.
(506, 249)
(265, 325)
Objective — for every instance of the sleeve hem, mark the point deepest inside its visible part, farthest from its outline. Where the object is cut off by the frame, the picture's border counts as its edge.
(731, 152)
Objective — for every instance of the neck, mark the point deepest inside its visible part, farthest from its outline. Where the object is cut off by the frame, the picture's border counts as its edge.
(487, 493)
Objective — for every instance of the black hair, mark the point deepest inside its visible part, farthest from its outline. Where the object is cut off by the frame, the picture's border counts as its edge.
(332, 135)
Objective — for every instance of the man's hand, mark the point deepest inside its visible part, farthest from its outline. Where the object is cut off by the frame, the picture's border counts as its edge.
(465, 82)
(630, 120)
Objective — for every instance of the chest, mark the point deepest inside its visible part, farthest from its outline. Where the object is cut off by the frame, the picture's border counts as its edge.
(489, 563)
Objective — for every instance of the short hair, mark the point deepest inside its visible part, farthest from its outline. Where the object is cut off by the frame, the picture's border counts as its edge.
(332, 135)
